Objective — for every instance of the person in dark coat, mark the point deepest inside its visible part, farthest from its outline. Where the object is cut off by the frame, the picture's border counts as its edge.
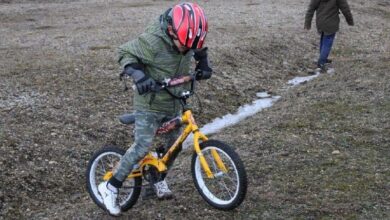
(328, 22)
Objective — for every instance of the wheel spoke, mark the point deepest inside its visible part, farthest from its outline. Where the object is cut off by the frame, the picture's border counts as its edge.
(223, 184)
(102, 162)
(232, 180)
(212, 161)
(100, 173)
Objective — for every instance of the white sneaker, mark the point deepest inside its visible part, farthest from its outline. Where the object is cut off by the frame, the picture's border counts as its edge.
(109, 199)
(162, 190)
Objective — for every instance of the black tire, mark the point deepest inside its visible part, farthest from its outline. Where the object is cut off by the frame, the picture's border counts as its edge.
(131, 189)
(236, 172)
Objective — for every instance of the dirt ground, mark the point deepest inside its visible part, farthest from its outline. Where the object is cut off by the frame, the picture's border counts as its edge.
(321, 152)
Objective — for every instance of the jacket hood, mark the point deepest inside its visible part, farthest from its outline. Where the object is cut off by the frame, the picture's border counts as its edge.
(164, 27)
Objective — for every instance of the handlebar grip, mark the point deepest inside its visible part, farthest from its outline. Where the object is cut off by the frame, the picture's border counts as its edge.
(180, 80)
(168, 83)
(157, 88)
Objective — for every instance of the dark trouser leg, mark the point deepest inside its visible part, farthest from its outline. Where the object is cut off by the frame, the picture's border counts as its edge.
(321, 41)
(325, 48)
(170, 139)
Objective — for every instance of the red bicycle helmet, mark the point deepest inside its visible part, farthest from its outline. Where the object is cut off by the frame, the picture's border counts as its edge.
(189, 24)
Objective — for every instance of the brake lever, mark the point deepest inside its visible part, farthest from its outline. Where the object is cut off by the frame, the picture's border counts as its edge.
(123, 77)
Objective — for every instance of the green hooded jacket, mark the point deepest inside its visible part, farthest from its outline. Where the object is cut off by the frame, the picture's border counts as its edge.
(327, 15)
(155, 50)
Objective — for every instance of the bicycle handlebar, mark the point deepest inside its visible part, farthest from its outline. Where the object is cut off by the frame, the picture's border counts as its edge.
(175, 82)
(169, 82)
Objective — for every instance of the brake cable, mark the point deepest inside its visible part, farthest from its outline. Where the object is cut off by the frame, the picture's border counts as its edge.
(123, 78)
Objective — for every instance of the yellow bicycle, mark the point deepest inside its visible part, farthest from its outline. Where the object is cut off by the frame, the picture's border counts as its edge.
(218, 172)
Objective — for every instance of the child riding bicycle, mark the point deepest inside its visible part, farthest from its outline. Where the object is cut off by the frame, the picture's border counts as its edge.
(163, 51)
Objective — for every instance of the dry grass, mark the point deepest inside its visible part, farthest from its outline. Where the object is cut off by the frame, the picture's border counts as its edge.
(320, 153)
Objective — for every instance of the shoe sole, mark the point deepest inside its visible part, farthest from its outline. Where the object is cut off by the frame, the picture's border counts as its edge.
(166, 197)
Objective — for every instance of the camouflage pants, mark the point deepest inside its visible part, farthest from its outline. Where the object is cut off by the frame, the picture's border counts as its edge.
(146, 125)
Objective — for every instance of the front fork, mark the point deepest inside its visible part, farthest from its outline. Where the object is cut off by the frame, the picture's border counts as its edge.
(214, 153)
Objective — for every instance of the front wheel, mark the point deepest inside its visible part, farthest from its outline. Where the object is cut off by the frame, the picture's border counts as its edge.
(226, 190)
(102, 162)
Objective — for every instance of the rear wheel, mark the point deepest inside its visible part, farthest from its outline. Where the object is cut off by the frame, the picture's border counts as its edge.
(103, 161)
(226, 190)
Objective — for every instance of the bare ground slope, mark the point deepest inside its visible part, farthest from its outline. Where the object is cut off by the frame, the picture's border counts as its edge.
(322, 151)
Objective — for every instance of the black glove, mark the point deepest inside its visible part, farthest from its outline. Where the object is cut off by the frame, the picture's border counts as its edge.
(146, 84)
(202, 69)
(143, 82)
(200, 75)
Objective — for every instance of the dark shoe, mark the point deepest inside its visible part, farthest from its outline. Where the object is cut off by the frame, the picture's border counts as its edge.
(321, 68)
(328, 61)
(148, 193)
(312, 71)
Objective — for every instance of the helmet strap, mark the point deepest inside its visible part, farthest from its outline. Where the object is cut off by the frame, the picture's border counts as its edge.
(170, 30)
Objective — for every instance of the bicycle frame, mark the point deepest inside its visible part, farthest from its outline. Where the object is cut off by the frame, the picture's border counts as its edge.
(160, 163)
(191, 127)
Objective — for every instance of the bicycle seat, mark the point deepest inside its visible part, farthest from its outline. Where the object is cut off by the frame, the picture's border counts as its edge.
(127, 119)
